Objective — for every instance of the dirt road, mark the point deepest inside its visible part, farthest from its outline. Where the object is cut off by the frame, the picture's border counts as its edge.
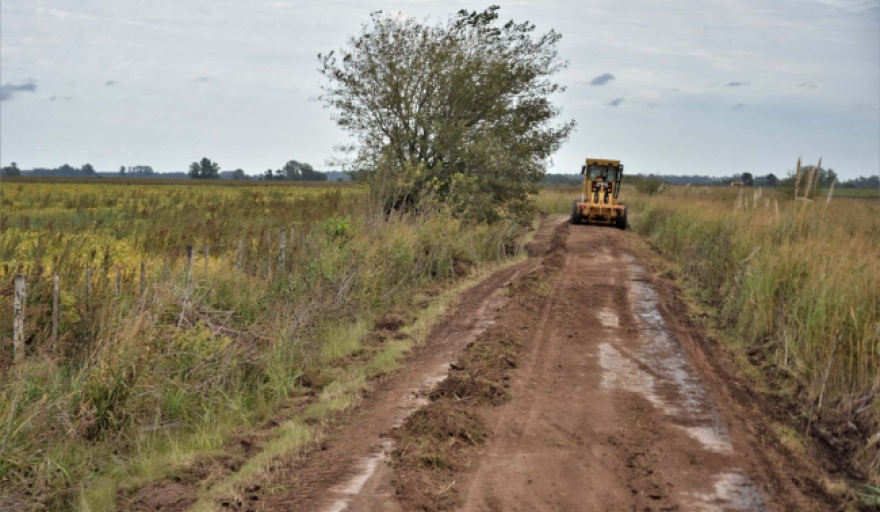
(613, 405)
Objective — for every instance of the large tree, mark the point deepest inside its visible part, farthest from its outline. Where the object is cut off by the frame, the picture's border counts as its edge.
(458, 110)
(301, 171)
(205, 169)
(12, 170)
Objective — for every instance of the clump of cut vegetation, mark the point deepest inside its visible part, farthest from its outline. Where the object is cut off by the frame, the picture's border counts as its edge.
(282, 287)
(798, 283)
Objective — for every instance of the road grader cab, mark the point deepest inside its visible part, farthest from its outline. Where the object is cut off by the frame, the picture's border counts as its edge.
(598, 203)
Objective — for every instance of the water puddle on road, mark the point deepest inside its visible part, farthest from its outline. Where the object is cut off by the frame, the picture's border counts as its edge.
(655, 366)
(733, 491)
(712, 438)
(608, 318)
(622, 373)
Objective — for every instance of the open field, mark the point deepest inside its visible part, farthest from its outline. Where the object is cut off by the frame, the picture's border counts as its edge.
(77, 224)
(146, 375)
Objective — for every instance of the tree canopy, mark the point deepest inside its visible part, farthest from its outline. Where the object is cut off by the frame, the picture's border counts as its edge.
(301, 171)
(205, 169)
(459, 110)
(11, 170)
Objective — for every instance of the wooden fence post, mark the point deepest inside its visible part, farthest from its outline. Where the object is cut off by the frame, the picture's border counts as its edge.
(88, 288)
(269, 254)
(239, 256)
(118, 281)
(143, 278)
(207, 254)
(18, 308)
(189, 264)
(56, 291)
(282, 243)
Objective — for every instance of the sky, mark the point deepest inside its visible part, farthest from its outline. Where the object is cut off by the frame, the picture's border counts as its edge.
(706, 87)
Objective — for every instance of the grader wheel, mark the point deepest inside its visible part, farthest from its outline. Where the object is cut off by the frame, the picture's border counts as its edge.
(575, 213)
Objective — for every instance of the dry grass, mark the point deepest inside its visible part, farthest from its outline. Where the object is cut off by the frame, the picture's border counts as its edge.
(140, 383)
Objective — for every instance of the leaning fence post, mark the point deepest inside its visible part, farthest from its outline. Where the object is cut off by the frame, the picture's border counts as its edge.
(56, 291)
(18, 317)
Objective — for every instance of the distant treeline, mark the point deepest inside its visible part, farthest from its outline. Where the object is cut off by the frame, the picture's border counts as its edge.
(301, 171)
(826, 178)
(205, 169)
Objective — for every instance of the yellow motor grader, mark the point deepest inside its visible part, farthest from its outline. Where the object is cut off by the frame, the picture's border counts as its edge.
(598, 203)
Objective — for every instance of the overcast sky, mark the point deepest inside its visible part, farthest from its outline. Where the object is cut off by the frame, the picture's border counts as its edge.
(693, 87)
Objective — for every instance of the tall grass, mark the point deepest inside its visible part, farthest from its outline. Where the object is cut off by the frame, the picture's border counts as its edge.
(141, 382)
(797, 283)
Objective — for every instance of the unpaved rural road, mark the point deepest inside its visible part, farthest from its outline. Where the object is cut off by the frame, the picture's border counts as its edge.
(614, 405)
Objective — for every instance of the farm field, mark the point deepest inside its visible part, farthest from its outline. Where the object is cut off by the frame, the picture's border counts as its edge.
(153, 353)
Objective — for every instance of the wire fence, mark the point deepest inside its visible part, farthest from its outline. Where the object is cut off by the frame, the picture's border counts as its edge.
(85, 289)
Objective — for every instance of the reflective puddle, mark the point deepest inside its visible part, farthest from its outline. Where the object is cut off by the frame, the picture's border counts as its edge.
(608, 318)
(656, 367)
(732, 492)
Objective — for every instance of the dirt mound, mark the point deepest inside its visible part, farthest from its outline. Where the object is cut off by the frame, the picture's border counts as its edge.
(462, 267)
(167, 497)
(436, 443)
(390, 322)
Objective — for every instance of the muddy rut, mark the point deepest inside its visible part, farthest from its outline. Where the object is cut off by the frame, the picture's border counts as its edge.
(611, 406)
